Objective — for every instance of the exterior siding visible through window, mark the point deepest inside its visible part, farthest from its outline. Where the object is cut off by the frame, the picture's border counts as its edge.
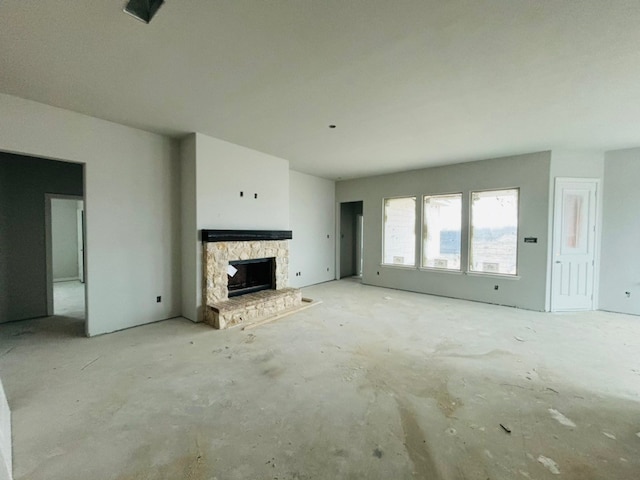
(399, 238)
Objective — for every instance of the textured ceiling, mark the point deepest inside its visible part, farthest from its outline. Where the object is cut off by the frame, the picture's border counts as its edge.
(408, 83)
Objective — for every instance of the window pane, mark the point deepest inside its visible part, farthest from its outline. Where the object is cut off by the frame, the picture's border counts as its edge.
(574, 222)
(399, 231)
(494, 232)
(441, 233)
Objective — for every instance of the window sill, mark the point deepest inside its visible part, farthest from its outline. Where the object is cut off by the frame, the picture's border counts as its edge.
(401, 267)
(502, 276)
(441, 270)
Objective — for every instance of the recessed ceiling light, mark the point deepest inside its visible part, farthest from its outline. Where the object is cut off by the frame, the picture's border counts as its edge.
(332, 126)
(143, 10)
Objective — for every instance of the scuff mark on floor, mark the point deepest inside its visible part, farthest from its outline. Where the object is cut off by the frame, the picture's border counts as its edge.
(416, 443)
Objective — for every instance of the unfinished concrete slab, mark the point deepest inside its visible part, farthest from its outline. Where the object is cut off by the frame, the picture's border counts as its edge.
(372, 383)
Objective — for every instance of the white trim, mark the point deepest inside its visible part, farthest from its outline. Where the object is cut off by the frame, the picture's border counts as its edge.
(401, 267)
(502, 276)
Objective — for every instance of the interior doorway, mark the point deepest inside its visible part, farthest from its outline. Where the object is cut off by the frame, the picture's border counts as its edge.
(65, 246)
(574, 244)
(351, 239)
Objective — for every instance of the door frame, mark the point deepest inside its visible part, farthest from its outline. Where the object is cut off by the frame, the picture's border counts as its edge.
(49, 246)
(596, 238)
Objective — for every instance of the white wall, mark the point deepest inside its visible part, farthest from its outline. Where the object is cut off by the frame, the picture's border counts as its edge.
(132, 207)
(64, 238)
(528, 172)
(312, 214)
(223, 170)
(5, 438)
(620, 257)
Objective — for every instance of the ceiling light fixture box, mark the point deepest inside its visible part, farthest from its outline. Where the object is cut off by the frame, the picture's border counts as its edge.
(143, 10)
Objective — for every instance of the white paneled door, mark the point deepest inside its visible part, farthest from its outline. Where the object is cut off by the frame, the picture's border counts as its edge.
(574, 239)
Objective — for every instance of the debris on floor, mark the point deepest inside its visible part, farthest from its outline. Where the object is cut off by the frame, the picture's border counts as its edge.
(561, 418)
(506, 429)
(549, 464)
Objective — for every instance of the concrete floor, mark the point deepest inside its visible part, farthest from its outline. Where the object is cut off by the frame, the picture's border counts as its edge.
(370, 384)
(68, 299)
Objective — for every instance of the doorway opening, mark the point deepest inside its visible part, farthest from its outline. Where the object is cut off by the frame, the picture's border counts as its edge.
(351, 239)
(26, 269)
(65, 245)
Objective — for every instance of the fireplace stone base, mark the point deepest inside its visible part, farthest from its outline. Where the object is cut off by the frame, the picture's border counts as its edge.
(222, 247)
(251, 307)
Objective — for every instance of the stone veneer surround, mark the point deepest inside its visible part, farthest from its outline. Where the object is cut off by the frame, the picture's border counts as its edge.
(221, 312)
(219, 254)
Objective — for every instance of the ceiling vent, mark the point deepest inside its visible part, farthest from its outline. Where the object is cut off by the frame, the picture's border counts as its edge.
(143, 10)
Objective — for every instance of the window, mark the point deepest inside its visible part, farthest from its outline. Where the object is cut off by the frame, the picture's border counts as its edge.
(494, 232)
(399, 247)
(442, 222)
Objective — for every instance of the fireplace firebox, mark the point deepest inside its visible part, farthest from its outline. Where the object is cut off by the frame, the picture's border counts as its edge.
(251, 276)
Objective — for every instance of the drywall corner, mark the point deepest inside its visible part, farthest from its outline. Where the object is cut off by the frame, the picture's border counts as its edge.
(189, 232)
(6, 466)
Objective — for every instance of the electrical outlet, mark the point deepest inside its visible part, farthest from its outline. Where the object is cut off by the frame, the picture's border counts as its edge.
(158, 299)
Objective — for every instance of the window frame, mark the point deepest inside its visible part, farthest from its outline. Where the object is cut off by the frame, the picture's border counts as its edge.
(413, 266)
(469, 270)
(460, 269)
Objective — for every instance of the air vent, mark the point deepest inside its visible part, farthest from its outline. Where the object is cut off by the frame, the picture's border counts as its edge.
(143, 10)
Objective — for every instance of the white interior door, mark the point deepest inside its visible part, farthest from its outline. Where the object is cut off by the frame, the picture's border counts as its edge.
(574, 238)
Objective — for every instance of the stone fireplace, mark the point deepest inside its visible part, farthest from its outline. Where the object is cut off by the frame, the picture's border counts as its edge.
(246, 275)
